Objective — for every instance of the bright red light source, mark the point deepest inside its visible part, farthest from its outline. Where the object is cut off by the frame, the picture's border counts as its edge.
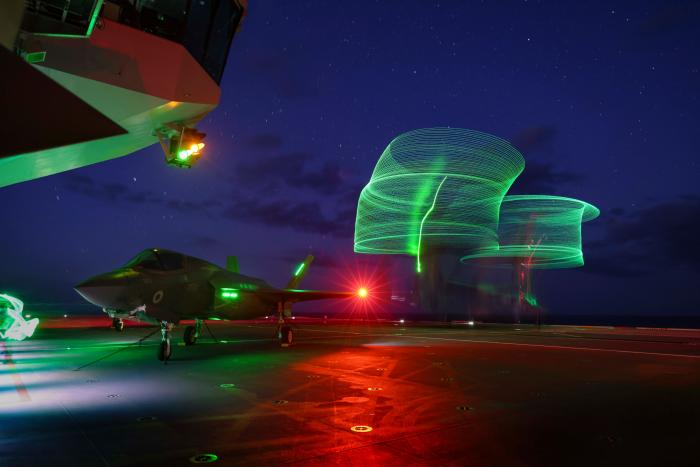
(369, 282)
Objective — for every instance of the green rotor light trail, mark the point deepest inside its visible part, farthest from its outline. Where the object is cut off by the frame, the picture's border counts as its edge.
(540, 231)
(436, 187)
(420, 231)
(12, 324)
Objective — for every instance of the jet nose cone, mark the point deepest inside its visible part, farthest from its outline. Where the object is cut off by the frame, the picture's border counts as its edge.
(106, 290)
(86, 284)
(97, 282)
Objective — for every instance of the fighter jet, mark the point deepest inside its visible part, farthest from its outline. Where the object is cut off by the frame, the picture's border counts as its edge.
(165, 287)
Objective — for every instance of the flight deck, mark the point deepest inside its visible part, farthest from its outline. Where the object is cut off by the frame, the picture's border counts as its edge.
(350, 393)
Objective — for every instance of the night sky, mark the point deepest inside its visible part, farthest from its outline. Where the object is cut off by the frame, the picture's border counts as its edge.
(600, 97)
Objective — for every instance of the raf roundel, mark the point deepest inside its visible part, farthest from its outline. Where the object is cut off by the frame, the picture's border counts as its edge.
(158, 296)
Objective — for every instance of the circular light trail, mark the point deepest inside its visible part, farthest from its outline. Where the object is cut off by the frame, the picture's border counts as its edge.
(436, 187)
(540, 232)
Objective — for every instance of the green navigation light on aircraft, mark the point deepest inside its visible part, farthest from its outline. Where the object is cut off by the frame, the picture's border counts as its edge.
(300, 268)
(229, 293)
(12, 324)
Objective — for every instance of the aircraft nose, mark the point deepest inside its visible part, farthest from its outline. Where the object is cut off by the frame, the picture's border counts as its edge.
(105, 290)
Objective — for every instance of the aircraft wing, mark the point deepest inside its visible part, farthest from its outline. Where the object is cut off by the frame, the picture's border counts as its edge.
(293, 295)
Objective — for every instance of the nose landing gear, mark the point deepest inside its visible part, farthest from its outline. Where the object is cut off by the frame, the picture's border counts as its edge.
(165, 349)
(192, 332)
(284, 331)
(285, 335)
(118, 324)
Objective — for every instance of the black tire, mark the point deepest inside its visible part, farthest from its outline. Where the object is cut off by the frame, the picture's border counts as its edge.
(190, 336)
(164, 350)
(118, 324)
(286, 335)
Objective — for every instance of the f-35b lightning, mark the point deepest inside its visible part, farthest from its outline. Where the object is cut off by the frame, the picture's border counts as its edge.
(164, 287)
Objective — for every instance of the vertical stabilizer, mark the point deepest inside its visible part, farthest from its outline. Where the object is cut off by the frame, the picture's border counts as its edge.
(232, 263)
(299, 273)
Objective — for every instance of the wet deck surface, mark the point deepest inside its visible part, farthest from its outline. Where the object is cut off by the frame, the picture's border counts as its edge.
(431, 395)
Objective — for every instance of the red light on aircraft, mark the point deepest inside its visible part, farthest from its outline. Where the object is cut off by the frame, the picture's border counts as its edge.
(362, 292)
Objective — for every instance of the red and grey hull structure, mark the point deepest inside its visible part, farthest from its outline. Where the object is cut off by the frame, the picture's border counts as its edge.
(108, 94)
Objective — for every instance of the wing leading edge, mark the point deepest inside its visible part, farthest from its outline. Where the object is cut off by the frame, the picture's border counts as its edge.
(294, 295)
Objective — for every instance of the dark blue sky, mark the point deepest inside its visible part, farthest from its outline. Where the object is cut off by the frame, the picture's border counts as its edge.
(601, 98)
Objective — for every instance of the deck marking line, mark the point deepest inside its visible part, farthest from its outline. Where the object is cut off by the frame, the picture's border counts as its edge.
(22, 391)
(521, 344)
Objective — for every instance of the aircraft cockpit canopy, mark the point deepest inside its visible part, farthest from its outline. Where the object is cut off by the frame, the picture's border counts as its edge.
(157, 260)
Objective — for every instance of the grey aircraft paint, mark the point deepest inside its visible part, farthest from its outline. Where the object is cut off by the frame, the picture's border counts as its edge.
(164, 287)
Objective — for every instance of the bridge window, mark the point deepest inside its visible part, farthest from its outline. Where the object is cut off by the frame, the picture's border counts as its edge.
(204, 27)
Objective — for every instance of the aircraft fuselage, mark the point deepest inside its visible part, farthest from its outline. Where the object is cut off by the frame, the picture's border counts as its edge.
(196, 290)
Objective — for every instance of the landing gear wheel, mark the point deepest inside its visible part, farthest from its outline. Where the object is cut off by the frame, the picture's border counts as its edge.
(164, 350)
(190, 336)
(285, 335)
(118, 324)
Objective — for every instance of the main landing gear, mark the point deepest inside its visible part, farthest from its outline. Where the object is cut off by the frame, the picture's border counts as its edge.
(165, 349)
(192, 332)
(118, 324)
(285, 335)
(284, 331)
